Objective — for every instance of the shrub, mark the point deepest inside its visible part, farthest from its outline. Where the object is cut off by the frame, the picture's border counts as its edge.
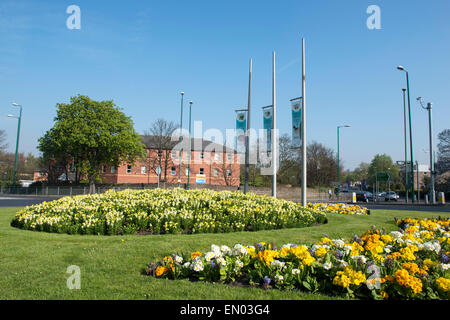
(160, 211)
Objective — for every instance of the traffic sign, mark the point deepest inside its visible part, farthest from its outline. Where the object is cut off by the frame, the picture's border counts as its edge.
(383, 176)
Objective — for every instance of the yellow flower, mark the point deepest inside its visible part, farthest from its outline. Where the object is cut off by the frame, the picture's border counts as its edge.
(161, 270)
(320, 252)
(195, 255)
(443, 284)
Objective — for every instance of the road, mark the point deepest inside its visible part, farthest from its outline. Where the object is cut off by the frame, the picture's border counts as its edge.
(22, 201)
(407, 207)
(8, 201)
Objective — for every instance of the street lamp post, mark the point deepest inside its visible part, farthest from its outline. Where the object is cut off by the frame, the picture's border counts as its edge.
(338, 169)
(181, 137)
(406, 146)
(17, 140)
(190, 145)
(401, 68)
(430, 128)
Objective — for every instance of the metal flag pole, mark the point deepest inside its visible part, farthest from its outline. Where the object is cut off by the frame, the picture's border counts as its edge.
(274, 131)
(247, 138)
(303, 126)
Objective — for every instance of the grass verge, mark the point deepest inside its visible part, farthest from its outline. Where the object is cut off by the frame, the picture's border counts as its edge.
(33, 264)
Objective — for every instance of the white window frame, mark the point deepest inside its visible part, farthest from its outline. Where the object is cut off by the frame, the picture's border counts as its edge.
(200, 171)
(129, 169)
(143, 170)
(173, 171)
(229, 172)
(113, 169)
(216, 172)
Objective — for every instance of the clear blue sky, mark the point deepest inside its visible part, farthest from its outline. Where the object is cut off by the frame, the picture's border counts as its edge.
(142, 54)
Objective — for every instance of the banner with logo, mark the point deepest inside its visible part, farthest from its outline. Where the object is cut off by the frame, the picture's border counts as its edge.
(241, 127)
(268, 124)
(296, 122)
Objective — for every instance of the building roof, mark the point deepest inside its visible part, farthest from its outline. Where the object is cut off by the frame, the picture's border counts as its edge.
(197, 144)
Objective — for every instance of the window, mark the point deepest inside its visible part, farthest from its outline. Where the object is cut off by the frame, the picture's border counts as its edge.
(229, 173)
(216, 172)
(202, 155)
(202, 171)
(173, 171)
(187, 171)
(113, 169)
(103, 169)
(128, 169)
(174, 154)
(216, 156)
(229, 156)
(143, 170)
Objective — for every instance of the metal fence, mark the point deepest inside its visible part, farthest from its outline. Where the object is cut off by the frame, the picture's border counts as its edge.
(292, 194)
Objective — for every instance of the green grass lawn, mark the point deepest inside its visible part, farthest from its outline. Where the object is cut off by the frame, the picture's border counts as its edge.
(33, 264)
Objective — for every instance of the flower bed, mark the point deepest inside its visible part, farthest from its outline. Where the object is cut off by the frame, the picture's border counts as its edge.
(411, 263)
(340, 208)
(160, 211)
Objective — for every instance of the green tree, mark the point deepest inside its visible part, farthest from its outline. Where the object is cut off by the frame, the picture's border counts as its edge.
(92, 132)
(383, 163)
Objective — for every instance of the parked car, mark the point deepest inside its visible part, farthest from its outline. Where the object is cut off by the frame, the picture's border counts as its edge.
(364, 196)
(391, 196)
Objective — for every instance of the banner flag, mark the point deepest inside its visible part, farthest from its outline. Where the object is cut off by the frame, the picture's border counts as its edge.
(296, 122)
(241, 128)
(268, 124)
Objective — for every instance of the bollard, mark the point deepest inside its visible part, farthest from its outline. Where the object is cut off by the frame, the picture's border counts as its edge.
(426, 199)
(441, 198)
(354, 197)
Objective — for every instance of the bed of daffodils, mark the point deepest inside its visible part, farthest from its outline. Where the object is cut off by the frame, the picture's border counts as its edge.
(340, 208)
(160, 211)
(412, 263)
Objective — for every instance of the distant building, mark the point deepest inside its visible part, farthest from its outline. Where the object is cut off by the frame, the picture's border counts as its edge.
(211, 163)
(420, 173)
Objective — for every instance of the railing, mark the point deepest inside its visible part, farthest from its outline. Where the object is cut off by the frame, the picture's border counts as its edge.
(292, 194)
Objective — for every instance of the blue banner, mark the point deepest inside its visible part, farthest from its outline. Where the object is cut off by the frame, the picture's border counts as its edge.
(296, 123)
(241, 128)
(268, 125)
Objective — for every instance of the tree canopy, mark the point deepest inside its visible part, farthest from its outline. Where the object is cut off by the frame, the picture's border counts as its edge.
(89, 134)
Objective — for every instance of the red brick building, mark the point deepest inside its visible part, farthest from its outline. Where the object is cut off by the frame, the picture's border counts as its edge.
(211, 163)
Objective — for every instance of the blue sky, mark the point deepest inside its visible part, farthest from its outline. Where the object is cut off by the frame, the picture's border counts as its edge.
(141, 54)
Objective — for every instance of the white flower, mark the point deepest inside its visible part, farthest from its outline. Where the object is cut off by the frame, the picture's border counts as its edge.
(225, 249)
(197, 266)
(209, 256)
(239, 250)
(221, 262)
(396, 234)
(444, 266)
(339, 243)
(277, 264)
(342, 264)
(295, 271)
(327, 265)
(347, 249)
(279, 278)
(239, 263)
(178, 259)
(186, 265)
